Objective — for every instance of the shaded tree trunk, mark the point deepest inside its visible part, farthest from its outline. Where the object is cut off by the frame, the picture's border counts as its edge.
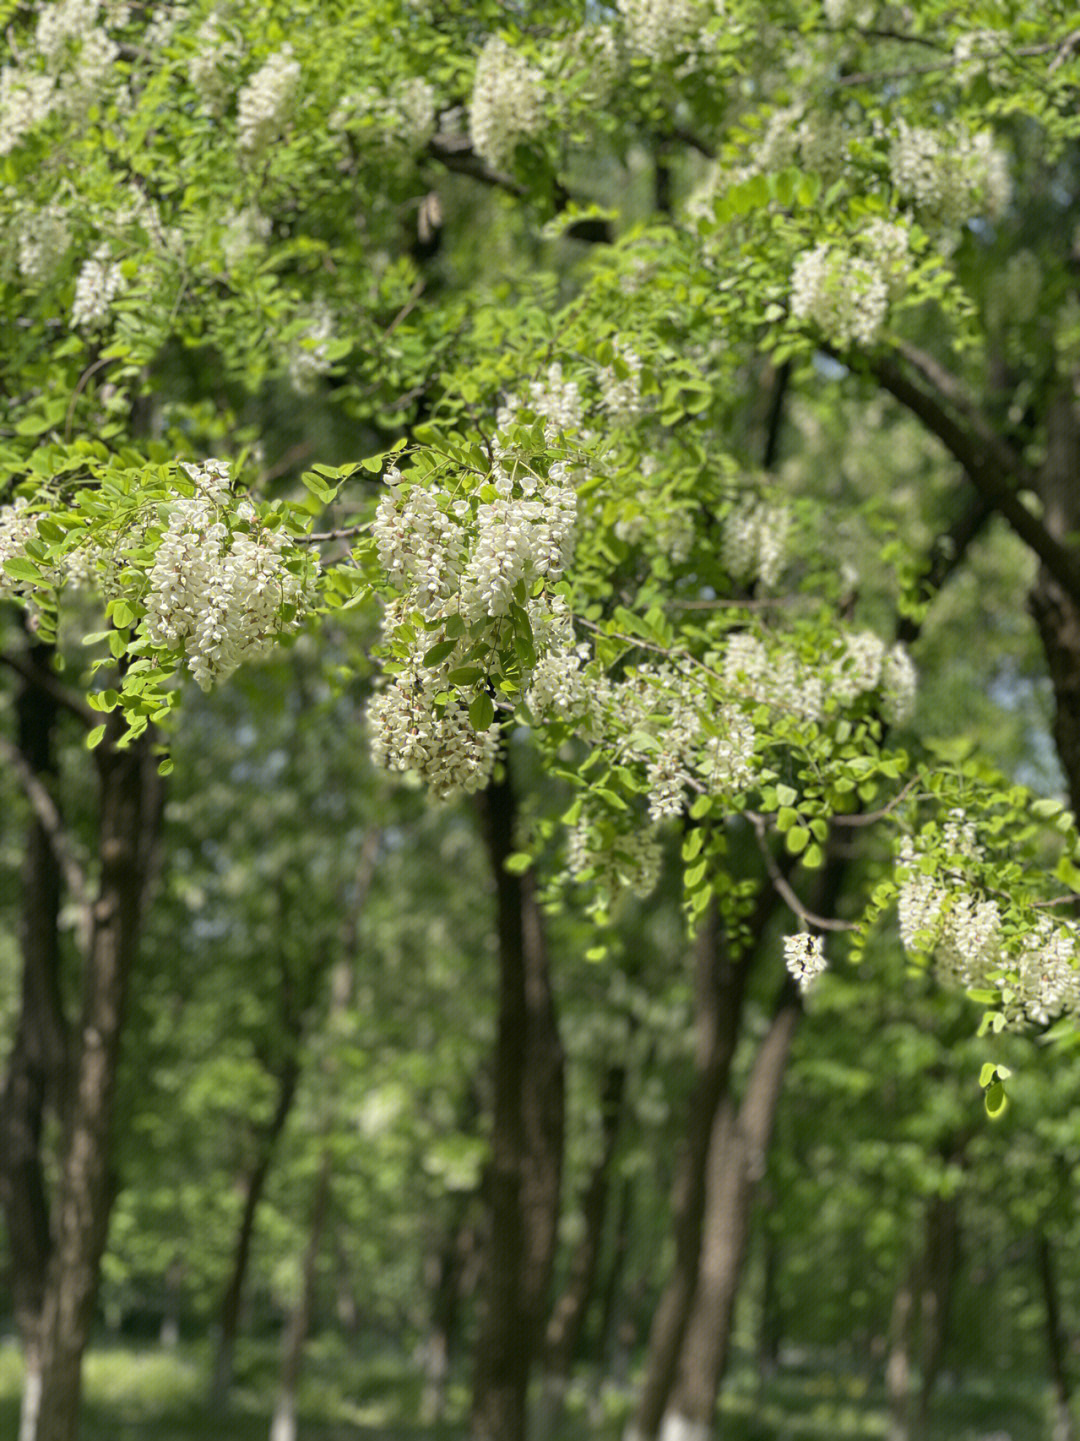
(36, 1078)
(524, 1174)
(1063, 1428)
(567, 1320)
(283, 1422)
(719, 991)
(1056, 613)
(898, 1361)
(937, 1281)
(254, 1185)
(447, 1275)
(737, 1151)
(129, 819)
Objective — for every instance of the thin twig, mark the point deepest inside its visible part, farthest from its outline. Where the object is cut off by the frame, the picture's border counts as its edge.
(783, 889)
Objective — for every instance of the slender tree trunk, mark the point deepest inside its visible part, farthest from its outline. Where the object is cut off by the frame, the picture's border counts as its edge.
(1064, 1428)
(898, 1362)
(129, 818)
(935, 1295)
(1057, 614)
(737, 1151)
(283, 1423)
(255, 1182)
(611, 1354)
(448, 1274)
(719, 990)
(567, 1319)
(36, 1077)
(524, 1175)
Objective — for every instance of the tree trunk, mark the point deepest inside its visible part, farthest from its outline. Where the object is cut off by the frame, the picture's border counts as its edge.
(898, 1362)
(448, 1272)
(36, 1078)
(524, 1174)
(935, 1295)
(1056, 1343)
(737, 1151)
(229, 1315)
(129, 818)
(283, 1424)
(719, 990)
(1057, 615)
(567, 1319)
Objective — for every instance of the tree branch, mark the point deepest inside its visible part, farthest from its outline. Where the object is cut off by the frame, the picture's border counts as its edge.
(47, 681)
(992, 466)
(52, 823)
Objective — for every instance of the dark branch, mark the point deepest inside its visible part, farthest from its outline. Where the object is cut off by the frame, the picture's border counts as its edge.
(47, 681)
(992, 466)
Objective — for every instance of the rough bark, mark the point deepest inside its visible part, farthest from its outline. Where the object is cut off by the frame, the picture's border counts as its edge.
(36, 1078)
(523, 1177)
(737, 1151)
(719, 990)
(129, 817)
(1063, 1428)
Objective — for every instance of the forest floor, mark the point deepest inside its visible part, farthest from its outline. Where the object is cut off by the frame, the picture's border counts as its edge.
(147, 1393)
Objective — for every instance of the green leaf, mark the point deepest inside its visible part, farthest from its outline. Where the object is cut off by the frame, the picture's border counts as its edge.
(19, 568)
(518, 863)
(995, 1100)
(439, 652)
(94, 737)
(481, 711)
(798, 838)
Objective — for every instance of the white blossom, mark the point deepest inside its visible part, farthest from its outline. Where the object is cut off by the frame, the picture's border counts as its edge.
(223, 595)
(657, 29)
(804, 957)
(754, 544)
(216, 52)
(620, 385)
(97, 285)
(507, 102)
(308, 358)
(26, 99)
(265, 102)
(899, 681)
(43, 240)
(846, 296)
(408, 733)
(951, 176)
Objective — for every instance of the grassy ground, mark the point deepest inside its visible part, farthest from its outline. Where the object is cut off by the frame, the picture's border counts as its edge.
(147, 1394)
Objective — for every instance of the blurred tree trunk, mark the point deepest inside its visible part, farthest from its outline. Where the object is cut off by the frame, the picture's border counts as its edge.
(288, 1075)
(524, 1174)
(449, 1270)
(36, 1078)
(567, 1319)
(1056, 1343)
(1056, 613)
(283, 1422)
(937, 1281)
(129, 822)
(737, 1150)
(719, 991)
(898, 1361)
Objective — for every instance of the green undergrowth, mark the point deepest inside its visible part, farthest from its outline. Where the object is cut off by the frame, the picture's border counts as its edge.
(151, 1394)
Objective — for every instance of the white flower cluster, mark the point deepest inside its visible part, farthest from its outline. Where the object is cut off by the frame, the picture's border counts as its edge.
(244, 231)
(620, 385)
(220, 595)
(950, 175)
(586, 64)
(409, 733)
(18, 526)
(308, 359)
(941, 915)
(804, 957)
(265, 102)
(864, 663)
(659, 29)
(754, 545)
(96, 288)
(507, 103)
(659, 715)
(405, 116)
(43, 239)
(981, 52)
(26, 98)
(777, 679)
(555, 400)
(457, 562)
(613, 861)
(844, 295)
(209, 67)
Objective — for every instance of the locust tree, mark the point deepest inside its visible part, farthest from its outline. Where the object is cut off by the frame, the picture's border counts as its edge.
(558, 499)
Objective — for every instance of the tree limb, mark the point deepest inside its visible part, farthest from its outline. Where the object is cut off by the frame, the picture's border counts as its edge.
(991, 465)
(63, 695)
(52, 823)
